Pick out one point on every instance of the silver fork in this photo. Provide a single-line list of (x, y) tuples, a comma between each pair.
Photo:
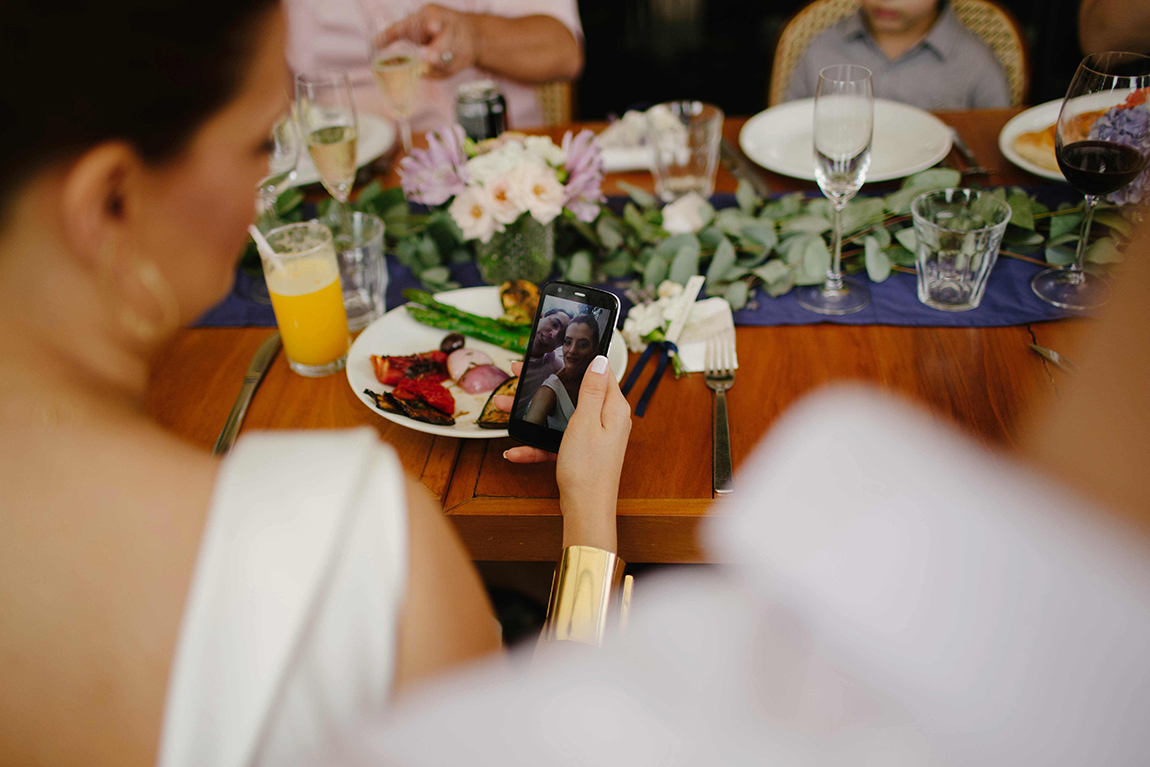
[(719, 373)]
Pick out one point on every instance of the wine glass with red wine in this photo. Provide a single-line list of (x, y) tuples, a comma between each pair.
[(1101, 142)]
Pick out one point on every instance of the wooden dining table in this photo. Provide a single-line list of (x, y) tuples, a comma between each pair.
[(985, 381)]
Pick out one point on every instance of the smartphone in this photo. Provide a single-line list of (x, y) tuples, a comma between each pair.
[(573, 325)]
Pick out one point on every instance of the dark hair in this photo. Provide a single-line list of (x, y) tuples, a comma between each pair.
[(549, 312), (148, 72), (585, 318)]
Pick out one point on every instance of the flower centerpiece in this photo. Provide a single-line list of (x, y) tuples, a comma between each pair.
[(505, 194), (1126, 124)]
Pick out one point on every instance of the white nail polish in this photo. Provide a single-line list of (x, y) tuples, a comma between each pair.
[(505, 452), (599, 364)]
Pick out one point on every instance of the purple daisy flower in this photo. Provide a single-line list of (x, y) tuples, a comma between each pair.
[(584, 169), (1127, 125), (434, 175)]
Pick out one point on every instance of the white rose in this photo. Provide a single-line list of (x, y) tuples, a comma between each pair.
[(669, 289), (487, 167), (535, 188), (471, 210), (504, 207), (683, 216), (544, 149), (650, 321)]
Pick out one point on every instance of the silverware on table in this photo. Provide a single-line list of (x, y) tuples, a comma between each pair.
[(1055, 359), (719, 374), (256, 370), (972, 166), (742, 168)]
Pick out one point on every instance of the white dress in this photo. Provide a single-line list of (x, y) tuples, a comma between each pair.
[(904, 598), (289, 633), (564, 407)]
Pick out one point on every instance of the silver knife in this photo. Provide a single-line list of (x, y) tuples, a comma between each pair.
[(972, 166), (740, 167), (256, 370), (1055, 358)]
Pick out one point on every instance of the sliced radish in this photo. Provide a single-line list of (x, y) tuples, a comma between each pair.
[(482, 378)]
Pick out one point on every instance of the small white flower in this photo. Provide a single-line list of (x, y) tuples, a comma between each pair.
[(683, 216), (669, 289), (498, 162), (536, 189), (471, 210), (545, 149), (650, 321), (504, 207)]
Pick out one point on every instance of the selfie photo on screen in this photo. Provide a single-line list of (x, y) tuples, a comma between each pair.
[(570, 334)]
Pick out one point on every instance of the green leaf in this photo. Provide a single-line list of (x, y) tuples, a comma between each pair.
[(405, 253), (288, 201), (436, 274), (791, 248), (580, 269), (877, 262), (772, 271), (1063, 239), (443, 229), (730, 221), (907, 238), (780, 286), (816, 258), (461, 256), (427, 252), (746, 197), (635, 220), (899, 255), (610, 233), (1023, 238), (686, 263), (1059, 256), (882, 234), (735, 273), (862, 212), (706, 213), (722, 261), (1064, 224), (668, 248), (655, 272), (1115, 220), (761, 234), (806, 225), (737, 294), (1021, 210), (642, 198), (618, 266), (710, 237), (935, 178), (899, 202), (787, 205), (1104, 250)]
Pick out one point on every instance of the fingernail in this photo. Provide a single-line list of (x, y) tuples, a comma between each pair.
[(505, 452), (599, 364)]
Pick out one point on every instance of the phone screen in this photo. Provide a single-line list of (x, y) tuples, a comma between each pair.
[(573, 325)]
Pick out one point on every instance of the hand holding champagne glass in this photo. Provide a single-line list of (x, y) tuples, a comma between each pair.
[(396, 63), (843, 127), (1100, 143), (327, 119)]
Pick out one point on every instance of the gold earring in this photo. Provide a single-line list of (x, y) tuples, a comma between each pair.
[(140, 327)]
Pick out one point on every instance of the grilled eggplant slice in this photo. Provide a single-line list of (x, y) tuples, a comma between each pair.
[(492, 417), (414, 409)]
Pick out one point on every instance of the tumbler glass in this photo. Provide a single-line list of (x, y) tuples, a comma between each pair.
[(959, 232), (684, 136), (362, 269)]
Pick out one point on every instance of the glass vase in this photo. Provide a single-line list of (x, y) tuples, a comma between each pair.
[(524, 250)]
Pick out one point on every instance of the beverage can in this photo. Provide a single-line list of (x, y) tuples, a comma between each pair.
[(481, 109)]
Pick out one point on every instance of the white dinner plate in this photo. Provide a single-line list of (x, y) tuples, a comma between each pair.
[(906, 140), (396, 334), (1033, 119), (376, 136)]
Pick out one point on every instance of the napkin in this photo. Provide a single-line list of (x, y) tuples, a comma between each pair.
[(708, 317)]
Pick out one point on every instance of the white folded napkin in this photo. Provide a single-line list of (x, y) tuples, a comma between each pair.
[(707, 318)]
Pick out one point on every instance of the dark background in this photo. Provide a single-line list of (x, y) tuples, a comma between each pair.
[(642, 52)]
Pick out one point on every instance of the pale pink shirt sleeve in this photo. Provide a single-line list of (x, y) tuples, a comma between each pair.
[(332, 33)]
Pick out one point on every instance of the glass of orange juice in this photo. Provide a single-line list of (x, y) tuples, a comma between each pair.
[(303, 281)]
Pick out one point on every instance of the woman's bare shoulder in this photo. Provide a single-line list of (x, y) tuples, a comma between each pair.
[(102, 519)]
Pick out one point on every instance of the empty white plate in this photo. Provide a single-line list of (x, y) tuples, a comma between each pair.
[(906, 140)]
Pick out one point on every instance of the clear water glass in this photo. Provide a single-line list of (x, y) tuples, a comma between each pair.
[(843, 129), (281, 163), (362, 269), (684, 137), (959, 232)]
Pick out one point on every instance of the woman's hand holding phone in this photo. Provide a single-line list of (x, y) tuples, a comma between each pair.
[(590, 459)]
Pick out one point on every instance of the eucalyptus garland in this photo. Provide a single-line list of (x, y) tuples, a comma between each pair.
[(775, 244)]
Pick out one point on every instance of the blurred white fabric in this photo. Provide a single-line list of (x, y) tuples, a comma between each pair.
[(905, 598), (288, 637)]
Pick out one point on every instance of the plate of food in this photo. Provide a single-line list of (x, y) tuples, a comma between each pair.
[(376, 136), (441, 378), (906, 140), (1028, 140)]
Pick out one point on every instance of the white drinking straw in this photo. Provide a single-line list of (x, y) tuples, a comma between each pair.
[(261, 242)]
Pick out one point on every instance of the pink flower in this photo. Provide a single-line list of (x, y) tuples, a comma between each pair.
[(434, 175), (584, 169)]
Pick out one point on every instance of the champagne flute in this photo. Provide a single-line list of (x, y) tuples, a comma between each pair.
[(397, 65), (843, 128), (281, 164), (327, 119), (1101, 143)]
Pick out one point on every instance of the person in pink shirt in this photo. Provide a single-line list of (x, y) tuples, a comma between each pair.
[(518, 43)]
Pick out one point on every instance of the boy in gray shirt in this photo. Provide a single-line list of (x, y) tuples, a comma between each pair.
[(918, 53)]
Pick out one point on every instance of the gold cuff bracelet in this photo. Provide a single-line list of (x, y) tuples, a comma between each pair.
[(585, 592)]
